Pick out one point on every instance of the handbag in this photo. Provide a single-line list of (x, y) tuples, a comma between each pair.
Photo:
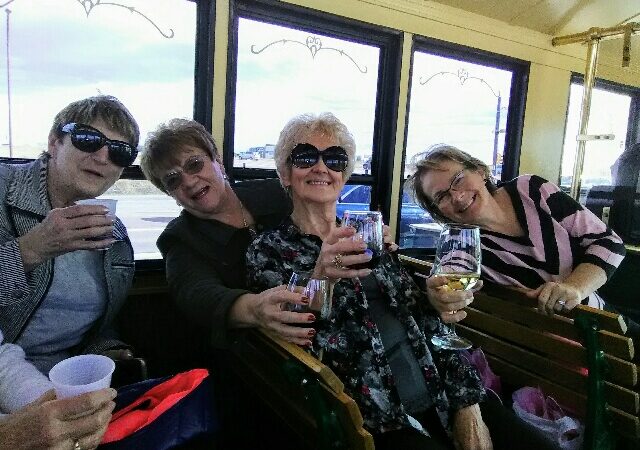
[(162, 413), (546, 415)]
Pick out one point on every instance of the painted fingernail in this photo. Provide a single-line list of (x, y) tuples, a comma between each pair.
[(311, 333), (308, 344), (304, 300), (311, 318)]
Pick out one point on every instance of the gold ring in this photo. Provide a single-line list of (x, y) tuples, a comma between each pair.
[(337, 261), (76, 445)]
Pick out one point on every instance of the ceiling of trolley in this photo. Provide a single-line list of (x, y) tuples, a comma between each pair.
[(559, 17)]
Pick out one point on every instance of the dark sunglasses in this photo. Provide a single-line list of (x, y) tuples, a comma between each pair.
[(173, 180), (89, 140), (304, 156)]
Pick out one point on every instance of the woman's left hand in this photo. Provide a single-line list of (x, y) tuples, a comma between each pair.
[(470, 431), (556, 296), (388, 239)]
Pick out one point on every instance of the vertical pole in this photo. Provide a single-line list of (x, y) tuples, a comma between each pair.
[(496, 132), (589, 79), (8, 11)]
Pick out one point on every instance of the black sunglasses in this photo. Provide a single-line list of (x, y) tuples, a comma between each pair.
[(304, 156), (173, 179), (89, 140)]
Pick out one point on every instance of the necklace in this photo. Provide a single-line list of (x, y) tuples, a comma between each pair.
[(251, 229)]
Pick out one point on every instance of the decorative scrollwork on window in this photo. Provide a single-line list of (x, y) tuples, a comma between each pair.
[(88, 6), (462, 76), (7, 3), (314, 45)]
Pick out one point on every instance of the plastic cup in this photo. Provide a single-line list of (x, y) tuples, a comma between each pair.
[(80, 374), (109, 203)]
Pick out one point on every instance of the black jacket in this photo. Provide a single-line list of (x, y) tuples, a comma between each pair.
[(205, 259)]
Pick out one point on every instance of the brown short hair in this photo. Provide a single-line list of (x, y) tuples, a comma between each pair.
[(431, 159), (100, 107), (165, 144)]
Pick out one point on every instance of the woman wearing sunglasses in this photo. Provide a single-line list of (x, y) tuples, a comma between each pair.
[(58, 297), (377, 338), (534, 237)]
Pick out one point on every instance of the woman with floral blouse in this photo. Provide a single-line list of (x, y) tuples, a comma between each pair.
[(377, 339)]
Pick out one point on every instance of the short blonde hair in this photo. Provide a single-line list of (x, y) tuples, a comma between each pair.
[(300, 127), (431, 159)]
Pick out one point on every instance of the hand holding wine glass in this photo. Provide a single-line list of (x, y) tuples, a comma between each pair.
[(458, 259), (316, 289), (368, 226)]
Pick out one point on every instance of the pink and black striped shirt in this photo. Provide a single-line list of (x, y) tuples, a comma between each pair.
[(559, 235)]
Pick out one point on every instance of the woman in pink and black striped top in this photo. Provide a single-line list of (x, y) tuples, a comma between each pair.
[(534, 236)]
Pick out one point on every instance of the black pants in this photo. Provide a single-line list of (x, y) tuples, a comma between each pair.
[(507, 431)]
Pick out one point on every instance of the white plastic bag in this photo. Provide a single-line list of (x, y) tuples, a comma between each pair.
[(544, 413)]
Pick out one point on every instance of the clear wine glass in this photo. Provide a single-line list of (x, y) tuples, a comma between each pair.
[(316, 289), (458, 258), (368, 225)]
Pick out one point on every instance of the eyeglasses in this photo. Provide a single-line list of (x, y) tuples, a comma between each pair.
[(89, 140), (173, 179), (304, 156), (457, 182)]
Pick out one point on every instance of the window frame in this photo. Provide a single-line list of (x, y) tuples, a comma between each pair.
[(517, 100), (389, 41), (633, 125)]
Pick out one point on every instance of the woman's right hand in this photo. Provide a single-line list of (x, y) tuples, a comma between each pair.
[(49, 423), (65, 230), (268, 310), (339, 251), (449, 303)]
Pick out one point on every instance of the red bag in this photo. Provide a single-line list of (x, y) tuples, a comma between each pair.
[(162, 413)]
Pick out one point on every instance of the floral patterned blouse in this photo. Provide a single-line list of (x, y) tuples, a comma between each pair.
[(351, 340)]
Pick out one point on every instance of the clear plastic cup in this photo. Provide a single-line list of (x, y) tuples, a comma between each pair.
[(80, 374)]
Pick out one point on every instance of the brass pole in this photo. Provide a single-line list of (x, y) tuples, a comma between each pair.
[(596, 33), (589, 79)]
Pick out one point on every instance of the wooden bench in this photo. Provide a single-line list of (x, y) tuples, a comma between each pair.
[(305, 393), (582, 358)]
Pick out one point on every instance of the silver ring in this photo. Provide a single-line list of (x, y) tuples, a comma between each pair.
[(561, 302), (76, 445)]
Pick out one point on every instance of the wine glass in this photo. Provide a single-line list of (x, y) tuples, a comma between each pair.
[(368, 225), (316, 289), (458, 258)]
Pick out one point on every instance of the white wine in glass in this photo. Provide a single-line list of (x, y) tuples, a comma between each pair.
[(458, 259)]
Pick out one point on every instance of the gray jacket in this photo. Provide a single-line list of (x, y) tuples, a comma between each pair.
[(20, 382), (24, 202)]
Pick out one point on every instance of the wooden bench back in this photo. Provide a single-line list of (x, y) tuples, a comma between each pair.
[(528, 348), (302, 390)]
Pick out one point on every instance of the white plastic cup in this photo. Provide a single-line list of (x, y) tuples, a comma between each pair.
[(109, 203), (80, 374)]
